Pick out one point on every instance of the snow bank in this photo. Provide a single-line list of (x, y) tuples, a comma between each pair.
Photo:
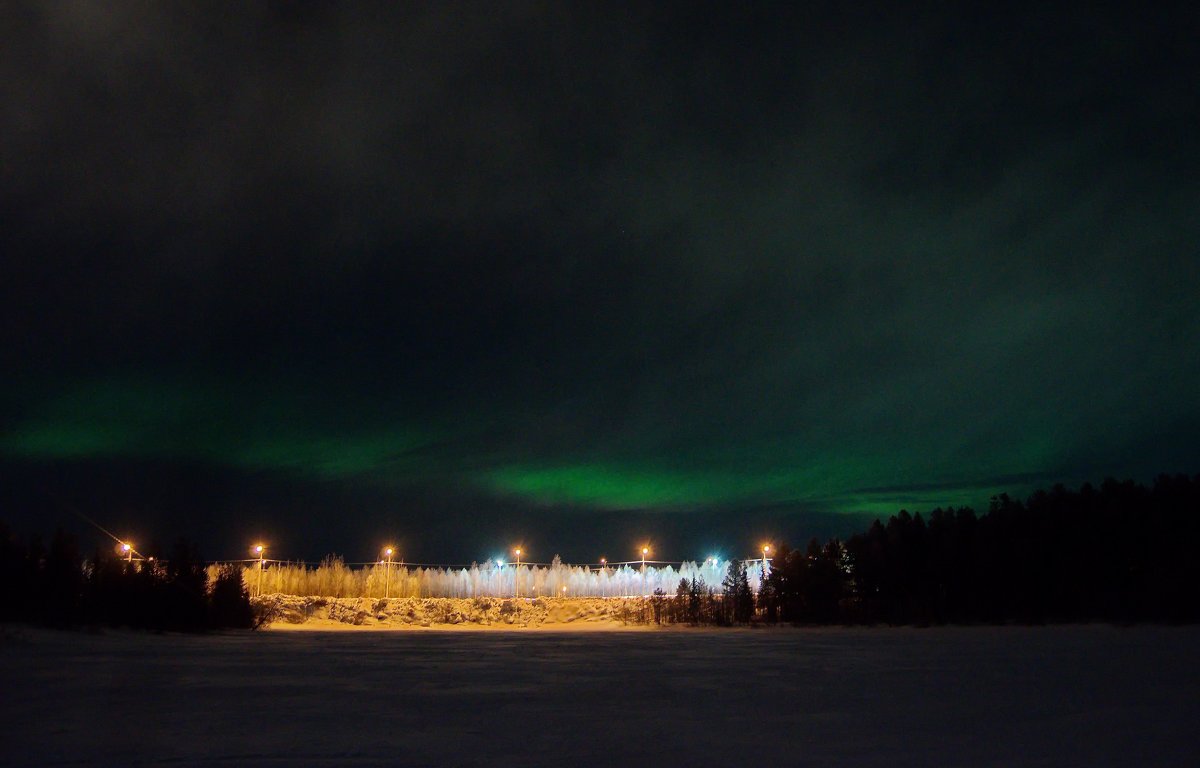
[(443, 611)]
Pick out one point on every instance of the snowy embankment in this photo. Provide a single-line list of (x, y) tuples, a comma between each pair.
[(285, 611)]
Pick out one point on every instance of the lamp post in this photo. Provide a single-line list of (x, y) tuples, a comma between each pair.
[(766, 549), (602, 582), (517, 573), (387, 579), (127, 550), (261, 551), (645, 551)]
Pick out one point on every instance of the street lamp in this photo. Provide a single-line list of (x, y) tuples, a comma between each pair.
[(517, 573), (261, 551), (127, 550), (387, 579), (766, 549), (645, 551)]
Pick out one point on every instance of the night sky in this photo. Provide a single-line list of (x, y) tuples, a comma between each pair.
[(461, 276)]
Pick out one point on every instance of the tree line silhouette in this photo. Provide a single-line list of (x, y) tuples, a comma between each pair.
[(696, 602), (57, 586), (1122, 552)]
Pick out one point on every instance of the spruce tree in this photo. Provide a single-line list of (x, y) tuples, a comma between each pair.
[(739, 599), (729, 586)]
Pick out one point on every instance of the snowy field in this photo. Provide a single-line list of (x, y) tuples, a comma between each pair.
[(1057, 696)]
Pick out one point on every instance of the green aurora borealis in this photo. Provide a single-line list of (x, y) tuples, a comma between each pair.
[(592, 271), (262, 428)]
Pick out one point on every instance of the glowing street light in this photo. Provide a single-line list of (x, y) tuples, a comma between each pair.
[(645, 551), (261, 551), (127, 551), (517, 573), (766, 561), (387, 579)]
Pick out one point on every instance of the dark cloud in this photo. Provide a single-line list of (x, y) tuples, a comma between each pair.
[(585, 257)]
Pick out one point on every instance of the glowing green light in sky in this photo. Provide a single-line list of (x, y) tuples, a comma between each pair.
[(612, 487), (261, 429), (616, 487), (132, 419)]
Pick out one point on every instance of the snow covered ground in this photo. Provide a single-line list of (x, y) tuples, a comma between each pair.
[(1054, 696)]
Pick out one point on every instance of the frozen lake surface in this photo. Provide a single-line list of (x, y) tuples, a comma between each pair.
[(1055, 696)]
